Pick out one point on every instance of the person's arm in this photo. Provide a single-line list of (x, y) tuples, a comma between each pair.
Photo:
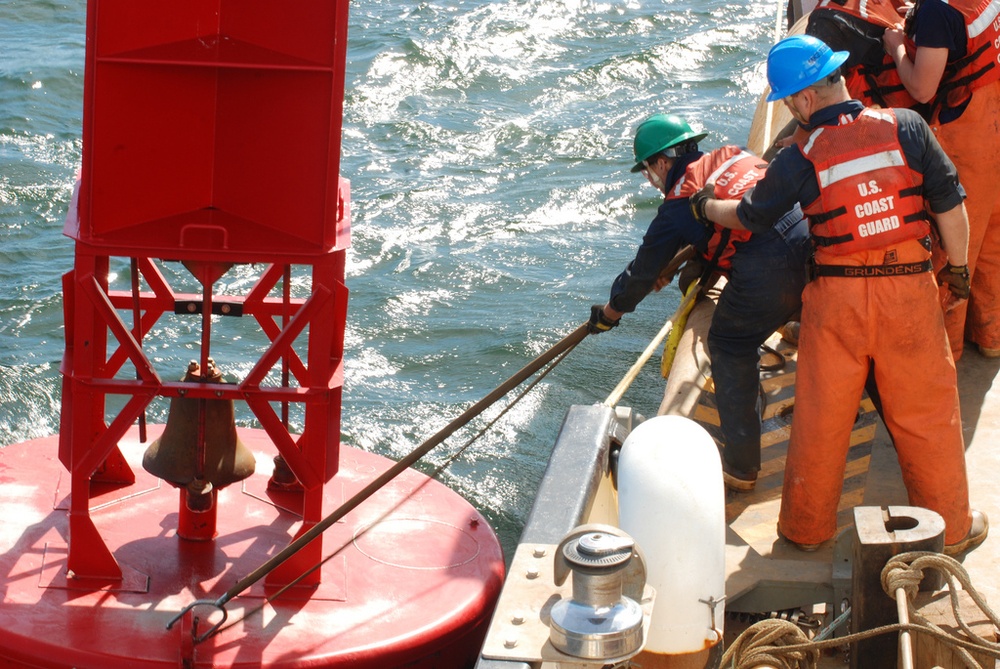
[(723, 212), (941, 187), (611, 313), (939, 34), (922, 75), (789, 179), (954, 228), (672, 228), (944, 196)]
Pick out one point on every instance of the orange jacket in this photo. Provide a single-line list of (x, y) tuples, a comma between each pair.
[(734, 172), (869, 197)]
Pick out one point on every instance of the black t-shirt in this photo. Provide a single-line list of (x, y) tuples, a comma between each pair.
[(938, 26)]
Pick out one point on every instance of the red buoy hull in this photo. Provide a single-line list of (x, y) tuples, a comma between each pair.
[(410, 579)]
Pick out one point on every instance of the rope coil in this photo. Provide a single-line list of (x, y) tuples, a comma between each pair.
[(903, 573), (782, 645), (774, 643)]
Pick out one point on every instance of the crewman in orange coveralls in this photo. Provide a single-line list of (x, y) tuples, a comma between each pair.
[(862, 177), (947, 57)]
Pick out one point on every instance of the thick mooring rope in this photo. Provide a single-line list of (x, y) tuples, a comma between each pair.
[(903, 573), (772, 643), (783, 645)]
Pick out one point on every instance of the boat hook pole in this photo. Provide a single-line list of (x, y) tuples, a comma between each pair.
[(567, 344)]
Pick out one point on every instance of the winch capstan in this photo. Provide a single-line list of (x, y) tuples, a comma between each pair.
[(603, 618)]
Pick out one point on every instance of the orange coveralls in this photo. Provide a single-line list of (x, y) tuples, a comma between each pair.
[(972, 141), (896, 322), (855, 319)]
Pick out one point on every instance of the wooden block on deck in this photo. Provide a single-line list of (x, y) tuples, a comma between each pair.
[(928, 651)]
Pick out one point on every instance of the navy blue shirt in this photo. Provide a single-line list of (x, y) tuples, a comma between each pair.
[(938, 26), (791, 178), (673, 227)]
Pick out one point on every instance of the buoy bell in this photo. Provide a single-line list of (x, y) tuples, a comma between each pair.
[(199, 442)]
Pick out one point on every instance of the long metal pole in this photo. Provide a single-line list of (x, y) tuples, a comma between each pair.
[(567, 343), (905, 643)]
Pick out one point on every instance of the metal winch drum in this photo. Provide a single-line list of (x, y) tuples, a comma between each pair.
[(603, 619)]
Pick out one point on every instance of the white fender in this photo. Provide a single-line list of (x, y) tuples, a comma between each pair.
[(672, 502)]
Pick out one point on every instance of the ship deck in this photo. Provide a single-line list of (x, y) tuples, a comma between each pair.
[(766, 577), (763, 569)]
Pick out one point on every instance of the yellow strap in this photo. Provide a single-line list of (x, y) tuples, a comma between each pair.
[(680, 320)]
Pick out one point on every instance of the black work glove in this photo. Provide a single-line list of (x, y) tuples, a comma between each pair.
[(956, 278), (698, 201), (598, 321)]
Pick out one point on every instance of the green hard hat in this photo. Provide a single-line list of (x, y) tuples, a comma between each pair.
[(660, 132)]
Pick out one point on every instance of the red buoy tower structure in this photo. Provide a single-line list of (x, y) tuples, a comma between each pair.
[(211, 140)]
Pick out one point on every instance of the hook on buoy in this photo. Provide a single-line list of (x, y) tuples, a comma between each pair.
[(202, 602)]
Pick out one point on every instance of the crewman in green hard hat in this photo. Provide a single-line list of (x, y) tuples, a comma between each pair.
[(766, 273), (866, 178)]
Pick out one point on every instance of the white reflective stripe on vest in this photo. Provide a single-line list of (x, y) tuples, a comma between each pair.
[(852, 168), (985, 20), (714, 176), (677, 188)]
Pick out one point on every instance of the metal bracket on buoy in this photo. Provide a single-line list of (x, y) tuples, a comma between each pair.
[(198, 638)]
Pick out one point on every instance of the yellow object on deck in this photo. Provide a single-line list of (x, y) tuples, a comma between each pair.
[(680, 321)]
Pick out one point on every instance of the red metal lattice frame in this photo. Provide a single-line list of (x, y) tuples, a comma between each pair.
[(88, 444)]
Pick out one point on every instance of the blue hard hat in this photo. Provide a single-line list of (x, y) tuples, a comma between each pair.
[(797, 62)]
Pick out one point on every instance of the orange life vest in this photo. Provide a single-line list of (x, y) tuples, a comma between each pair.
[(734, 172), (869, 196), (878, 85), (870, 73), (883, 13), (981, 64)]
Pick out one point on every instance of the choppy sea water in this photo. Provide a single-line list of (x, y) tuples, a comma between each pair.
[(488, 146)]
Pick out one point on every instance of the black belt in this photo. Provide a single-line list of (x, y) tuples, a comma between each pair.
[(866, 271)]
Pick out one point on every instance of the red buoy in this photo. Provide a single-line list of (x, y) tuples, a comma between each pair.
[(211, 139), (409, 579)]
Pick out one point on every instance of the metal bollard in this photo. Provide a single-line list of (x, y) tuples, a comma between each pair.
[(882, 533)]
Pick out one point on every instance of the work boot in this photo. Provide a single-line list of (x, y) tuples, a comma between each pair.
[(805, 548), (790, 332), (737, 479), (976, 535)]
